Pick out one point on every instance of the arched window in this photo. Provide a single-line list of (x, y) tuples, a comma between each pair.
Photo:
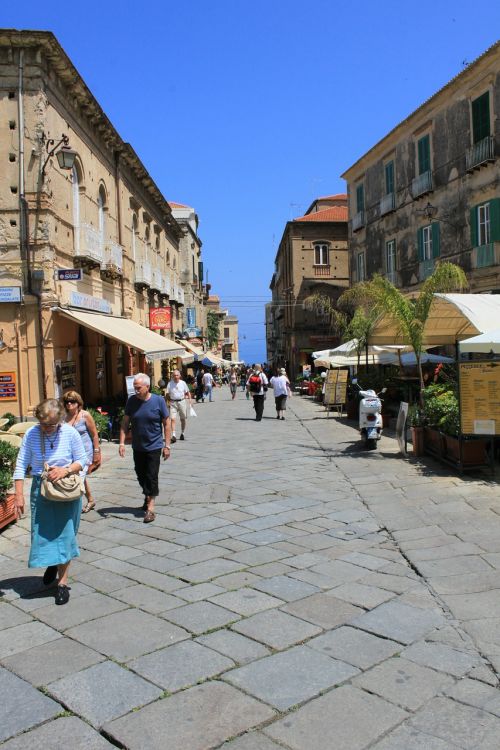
[(134, 238), (75, 180), (101, 206), (147, 245)]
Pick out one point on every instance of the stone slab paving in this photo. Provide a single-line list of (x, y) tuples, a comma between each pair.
[(322, 596)]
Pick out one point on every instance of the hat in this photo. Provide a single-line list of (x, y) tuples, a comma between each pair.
[(283, 371)]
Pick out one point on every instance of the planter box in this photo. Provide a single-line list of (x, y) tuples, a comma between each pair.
[(418, 440), (434, 442), (474, 452), (7, 511)]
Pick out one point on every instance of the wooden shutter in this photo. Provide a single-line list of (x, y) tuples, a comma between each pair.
[(436, 249), (389, 178), (495, 220), (481, 117), (473, 227), (360, 198), (420, 244), (424, 155)]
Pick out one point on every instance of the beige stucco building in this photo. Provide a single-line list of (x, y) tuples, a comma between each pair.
[(429, 190), (105, 217), (312, 258)]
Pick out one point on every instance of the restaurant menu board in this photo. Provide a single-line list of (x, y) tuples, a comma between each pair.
[(8, 386), (335, 387), (480, 398), (68, 375)]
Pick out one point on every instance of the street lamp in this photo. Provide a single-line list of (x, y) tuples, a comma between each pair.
[(430, 212), (65, 155)]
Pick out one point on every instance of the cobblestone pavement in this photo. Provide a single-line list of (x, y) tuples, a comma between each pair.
[(294, 592)]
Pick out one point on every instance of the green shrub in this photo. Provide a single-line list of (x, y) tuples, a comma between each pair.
[(8, 457), (441, 407), (101, 421), (12, 420)]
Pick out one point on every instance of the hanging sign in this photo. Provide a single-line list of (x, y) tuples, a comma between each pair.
[(160, 318), (8, 386), (10, 294), (69, 274), (191, 317)]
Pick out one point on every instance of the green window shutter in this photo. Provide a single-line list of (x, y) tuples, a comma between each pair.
[(420, 244), (424, 155), (200, 271), (481, 117), (495, 220), (473, 227), (436, 249), (360, 198), (389, 178)]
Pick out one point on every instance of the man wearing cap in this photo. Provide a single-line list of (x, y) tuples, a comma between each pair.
[(179, 399), (281, 388), (257, 386)]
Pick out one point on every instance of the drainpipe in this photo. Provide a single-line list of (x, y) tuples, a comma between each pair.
[(24, 222)]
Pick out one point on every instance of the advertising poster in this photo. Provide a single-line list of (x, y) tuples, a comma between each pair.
[(8, 386), (330, 387)]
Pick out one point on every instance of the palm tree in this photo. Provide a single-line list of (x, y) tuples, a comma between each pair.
[(381, 297)]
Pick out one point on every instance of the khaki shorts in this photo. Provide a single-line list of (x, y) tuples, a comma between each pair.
[(179, 408)]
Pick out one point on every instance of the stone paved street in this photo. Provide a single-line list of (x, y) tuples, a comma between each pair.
[(294, 592)]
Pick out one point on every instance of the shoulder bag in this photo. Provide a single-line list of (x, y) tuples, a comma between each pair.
[(63, 490)]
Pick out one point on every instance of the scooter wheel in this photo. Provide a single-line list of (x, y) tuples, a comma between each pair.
[(371, 444)]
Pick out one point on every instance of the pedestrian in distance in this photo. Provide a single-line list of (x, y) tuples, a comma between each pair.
[(208, 384), (233, 383), (148, 415), (54, 524), (257, 385), (84, 424), (243, 380), (179, 401), (200, 386), (281, 388)]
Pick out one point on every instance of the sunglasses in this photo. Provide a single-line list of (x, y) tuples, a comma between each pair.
[(70, 401)]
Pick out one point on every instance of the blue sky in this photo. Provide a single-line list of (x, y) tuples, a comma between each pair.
[(249, 110)]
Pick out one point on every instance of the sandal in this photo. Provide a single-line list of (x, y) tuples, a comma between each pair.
[(149, 517), (89, 506)]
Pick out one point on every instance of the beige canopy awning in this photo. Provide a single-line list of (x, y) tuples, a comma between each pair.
[(199, 353), (126, 332), (452, 317)]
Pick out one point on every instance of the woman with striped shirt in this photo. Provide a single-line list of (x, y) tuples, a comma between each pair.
[(54, 525)]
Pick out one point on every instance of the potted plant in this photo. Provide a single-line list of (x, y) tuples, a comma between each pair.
[(8, 456), (416, 420)]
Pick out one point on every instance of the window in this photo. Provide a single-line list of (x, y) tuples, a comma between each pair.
[(320, 255), (390, 257), (360, 198), (485, 223), (481, 117), (134, 238), (389, 178), (101, 204), (424, 154), (360, 267), (226, 333), (428, 242), (147, 245), (76, 208)]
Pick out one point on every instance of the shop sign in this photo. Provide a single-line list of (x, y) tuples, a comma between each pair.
[(8, 386), (69, 274), (77, 299), (191, 317), (160, 318), (193, 333), (10, 294)]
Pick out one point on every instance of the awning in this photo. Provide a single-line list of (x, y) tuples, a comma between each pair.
[(198, 353), (126, 332), (486, 343), (452, 317)]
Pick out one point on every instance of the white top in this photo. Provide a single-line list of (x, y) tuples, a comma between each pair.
[(280, 385), (177, 391), (263, 380), (208, 379), (67, 448)]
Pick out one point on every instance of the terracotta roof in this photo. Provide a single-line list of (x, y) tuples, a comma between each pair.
[(178, 205), (338, 197), (335, 213)]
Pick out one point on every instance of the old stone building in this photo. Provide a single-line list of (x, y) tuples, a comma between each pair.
[(194, 318), (312, 258), (430, 189), (89, 256), (230, 344)]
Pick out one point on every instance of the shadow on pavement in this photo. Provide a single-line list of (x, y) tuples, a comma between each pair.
[(28, 587)]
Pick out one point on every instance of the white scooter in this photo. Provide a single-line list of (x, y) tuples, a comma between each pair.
[(370, 416)]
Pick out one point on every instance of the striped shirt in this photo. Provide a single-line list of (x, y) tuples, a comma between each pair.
[(68, 447)]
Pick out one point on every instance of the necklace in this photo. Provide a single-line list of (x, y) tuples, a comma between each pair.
[(53, 441)]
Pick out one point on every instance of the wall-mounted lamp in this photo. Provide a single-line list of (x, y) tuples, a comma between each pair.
[(65, 156), (430, 212)]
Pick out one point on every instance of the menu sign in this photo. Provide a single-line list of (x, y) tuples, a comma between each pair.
[(335, 387), (8, 386), (480, 398)]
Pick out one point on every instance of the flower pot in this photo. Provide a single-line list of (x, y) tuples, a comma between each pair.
[(7, 510), (417, 434)]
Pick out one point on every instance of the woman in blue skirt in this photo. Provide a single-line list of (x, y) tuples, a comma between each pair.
[(54, 524)]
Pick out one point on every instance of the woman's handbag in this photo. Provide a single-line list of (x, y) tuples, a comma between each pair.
[(63, 490)]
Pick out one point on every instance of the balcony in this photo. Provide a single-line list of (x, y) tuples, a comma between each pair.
[(426, 268), (422, 184), (113, 261), (228, 341), (358, 221), (486, 255), (90, 249), (143, 274), (480, 153), (322, 270), (166, 285), (156, 280), (195, 282), (180, 296), (387, 204)]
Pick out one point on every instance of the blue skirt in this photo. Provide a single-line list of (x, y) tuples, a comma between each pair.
[(54, 527)]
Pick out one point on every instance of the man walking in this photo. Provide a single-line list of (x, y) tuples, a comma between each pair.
[(179, 399), (199, 386), (148, 415), (208, 384), (257, 386)]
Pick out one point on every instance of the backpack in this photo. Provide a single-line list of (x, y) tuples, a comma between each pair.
[(254, 383)]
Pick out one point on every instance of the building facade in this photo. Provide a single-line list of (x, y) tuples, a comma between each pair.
[(430, 189), (312, 259), (230, 343), (104, 222)]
